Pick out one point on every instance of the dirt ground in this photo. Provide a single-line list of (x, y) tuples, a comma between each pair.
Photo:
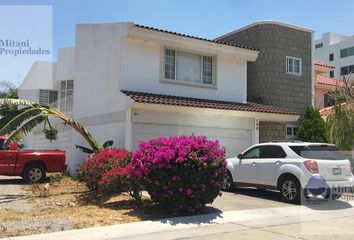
[(63, 205)]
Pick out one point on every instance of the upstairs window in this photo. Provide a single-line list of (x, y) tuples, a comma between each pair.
[(66, 95), (48, 97), (331, 74), (189, 67), (346, 52), (331, 57), (319, 45), (328, 99), (293, 65), (347, 70)]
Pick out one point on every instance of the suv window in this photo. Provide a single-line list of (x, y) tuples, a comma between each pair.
[(318, 152), (272, 152), (298, 149), (252, 153)]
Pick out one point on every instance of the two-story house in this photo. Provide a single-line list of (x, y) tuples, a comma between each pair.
[(128, 83)]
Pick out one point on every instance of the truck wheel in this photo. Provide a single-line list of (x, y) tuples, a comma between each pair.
[(290, 190), (34, 173), (228, 183)]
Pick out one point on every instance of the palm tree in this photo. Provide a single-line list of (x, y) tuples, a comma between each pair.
[(17, 123)]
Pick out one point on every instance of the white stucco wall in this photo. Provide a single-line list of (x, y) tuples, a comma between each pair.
[(40, 76), (97, 69), (141, 69), (65, 68), (333, 43), (98, 102)]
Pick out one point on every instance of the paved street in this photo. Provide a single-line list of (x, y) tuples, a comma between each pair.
[(248, 198)]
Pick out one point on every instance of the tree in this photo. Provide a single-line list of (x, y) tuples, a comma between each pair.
[(312, 127), (341, 127), (7, 90), (17, 123), (340, 123)]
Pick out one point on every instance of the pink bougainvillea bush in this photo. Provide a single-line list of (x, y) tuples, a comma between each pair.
[(106, 171), (182, 174)]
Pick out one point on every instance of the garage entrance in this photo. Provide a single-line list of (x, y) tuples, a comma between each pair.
[(235, 134)]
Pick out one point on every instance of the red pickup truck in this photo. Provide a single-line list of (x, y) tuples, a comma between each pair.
[(32, 165)]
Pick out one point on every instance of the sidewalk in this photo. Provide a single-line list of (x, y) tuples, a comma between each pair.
[(303, 222)]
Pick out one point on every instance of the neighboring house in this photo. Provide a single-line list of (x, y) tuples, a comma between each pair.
[(337, 50), (324, 85), (327, 111), (128, 83), (282, 75), (51, 84)]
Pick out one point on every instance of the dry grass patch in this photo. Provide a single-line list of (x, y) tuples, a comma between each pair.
[(70, 201)]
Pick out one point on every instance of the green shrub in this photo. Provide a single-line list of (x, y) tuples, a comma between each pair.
[(312, 127)]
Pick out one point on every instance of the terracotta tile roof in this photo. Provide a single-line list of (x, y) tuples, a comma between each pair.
[(326, 111), (152, 98), (194, 37), (323, 64), (321, 79), (329, 110)]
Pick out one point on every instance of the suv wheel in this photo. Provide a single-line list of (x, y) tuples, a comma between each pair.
[(228, 183), (34, 173), (290, 190)]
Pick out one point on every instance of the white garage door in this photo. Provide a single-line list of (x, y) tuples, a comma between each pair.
[(63, 141), (233, 133)]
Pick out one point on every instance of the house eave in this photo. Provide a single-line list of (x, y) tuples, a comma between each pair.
[(262, 116), (190, 43), (262, 22)]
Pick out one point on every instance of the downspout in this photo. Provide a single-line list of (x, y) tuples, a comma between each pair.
[(312, 72)]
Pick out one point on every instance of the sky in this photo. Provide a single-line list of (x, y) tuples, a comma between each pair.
[(50, 24)]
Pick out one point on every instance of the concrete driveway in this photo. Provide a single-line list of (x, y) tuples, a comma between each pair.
[(248, 198)]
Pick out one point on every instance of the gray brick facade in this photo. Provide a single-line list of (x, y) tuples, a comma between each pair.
[(268, 81), (269, 131)]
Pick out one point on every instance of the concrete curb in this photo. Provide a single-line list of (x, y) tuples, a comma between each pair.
[(180, 224)]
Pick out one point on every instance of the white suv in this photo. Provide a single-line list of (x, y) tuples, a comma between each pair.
[(291, 167)]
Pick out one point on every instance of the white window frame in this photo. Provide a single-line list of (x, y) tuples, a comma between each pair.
[(48, 92), (178, 81), (292, 72), (292, 126), (65, 109)]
